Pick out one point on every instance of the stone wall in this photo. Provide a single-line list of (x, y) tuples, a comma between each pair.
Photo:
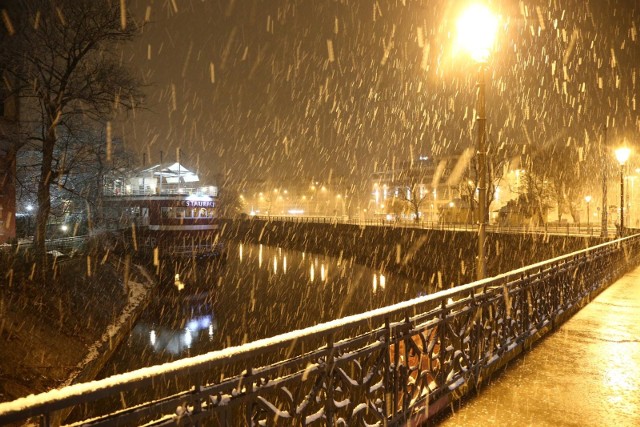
[(442, 258)]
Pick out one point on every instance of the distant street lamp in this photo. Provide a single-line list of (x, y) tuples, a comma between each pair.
[(477, 28), (622, 154), (587, 199)]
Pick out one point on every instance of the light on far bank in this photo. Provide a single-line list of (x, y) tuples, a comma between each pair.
[(477, 29)]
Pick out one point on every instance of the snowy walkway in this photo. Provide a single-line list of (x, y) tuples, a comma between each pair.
[(585, 374)]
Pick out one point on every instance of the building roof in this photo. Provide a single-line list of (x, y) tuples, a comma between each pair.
[(172, 173)]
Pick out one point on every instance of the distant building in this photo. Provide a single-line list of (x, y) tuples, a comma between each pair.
[(168, 178), (171, 211), (432, 181), (306, 197)]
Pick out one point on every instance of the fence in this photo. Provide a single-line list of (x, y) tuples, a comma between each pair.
[(560, 229), (390, 366), (63, 244)]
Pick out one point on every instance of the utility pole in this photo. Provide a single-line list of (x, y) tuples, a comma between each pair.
[(482, 171)]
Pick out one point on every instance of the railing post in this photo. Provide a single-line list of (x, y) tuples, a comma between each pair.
[(395, 379), (45, 420), (387, 409), (249, 404), (476, 338), (197, 403), (441, 377), (406, 369), (329, 406)]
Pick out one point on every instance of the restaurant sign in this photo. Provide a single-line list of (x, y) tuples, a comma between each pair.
[(198, 203)]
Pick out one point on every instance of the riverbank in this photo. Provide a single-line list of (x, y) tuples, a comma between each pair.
[(442, 259), (63, 333)]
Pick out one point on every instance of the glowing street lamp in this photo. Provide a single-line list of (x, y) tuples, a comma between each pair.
[(622, 154), (477, 29)]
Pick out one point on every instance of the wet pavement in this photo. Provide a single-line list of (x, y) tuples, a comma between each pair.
[(586, 374)]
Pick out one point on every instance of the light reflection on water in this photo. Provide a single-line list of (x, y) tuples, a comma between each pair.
[(175, 341), (259, 291)]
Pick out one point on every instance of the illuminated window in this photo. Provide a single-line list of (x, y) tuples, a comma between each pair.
[(167, 212)]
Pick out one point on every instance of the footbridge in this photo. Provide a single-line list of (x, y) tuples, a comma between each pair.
[(398, 365)]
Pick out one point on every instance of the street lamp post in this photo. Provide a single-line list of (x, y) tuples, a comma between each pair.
[(476, 34), (604, 221), (587, 199), (622, 154), (29, 210)]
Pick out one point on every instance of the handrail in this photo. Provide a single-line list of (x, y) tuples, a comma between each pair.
[(560, 229), (49, 243), (441, 344)]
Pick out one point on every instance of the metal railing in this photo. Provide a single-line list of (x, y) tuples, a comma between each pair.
[(388, 366), (167, 190), (553, 228), (61, 244)]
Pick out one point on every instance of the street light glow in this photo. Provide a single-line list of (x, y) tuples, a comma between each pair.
[(622, 154), (477, 28)]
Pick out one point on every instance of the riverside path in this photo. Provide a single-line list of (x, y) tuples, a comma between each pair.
[(587, 373)]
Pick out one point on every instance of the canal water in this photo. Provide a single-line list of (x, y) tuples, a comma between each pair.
[(256, 292)]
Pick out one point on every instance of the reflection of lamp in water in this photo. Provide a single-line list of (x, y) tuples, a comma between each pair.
[(177, 282), (152, 337), (188, 339), (379, 281)]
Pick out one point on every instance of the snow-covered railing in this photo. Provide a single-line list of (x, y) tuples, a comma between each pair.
[(393, 365), (555, 228)]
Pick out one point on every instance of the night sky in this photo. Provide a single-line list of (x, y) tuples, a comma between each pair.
[(298, 89)]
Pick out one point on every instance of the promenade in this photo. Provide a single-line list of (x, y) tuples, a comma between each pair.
[(585, 374)]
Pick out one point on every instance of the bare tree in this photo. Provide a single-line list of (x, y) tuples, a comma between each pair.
[(412, 196), (536, 196), (63, 59), (499, 156)]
